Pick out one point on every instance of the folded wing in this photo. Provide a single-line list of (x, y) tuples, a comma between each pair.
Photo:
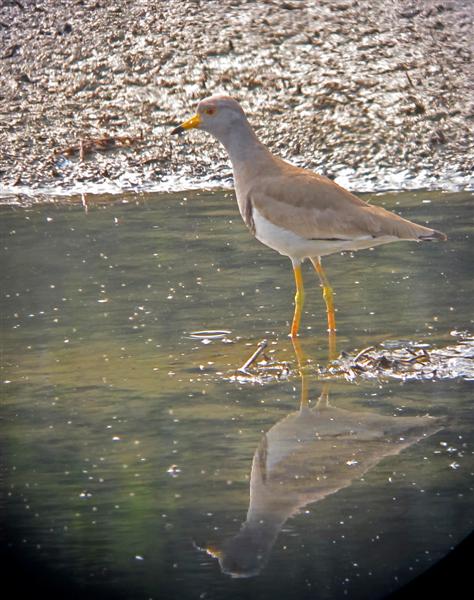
[(315, 207)]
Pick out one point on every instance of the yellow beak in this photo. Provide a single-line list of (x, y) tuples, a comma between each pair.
[(214, 552), (189, 124)]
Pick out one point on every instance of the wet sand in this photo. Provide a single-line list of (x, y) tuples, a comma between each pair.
[(378, 95)]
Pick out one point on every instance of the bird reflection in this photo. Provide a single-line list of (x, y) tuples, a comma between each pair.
[(310, 454)]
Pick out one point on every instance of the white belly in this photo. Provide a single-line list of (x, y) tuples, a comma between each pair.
[(298, 248)]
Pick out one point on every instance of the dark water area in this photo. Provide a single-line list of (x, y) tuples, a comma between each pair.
[(137, 461)]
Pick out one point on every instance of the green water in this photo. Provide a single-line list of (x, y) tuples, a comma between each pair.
[(127, 446)]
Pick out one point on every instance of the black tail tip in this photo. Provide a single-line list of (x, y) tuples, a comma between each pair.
[(434, 236)]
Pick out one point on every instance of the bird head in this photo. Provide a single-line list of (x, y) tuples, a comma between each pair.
[(217, 115)]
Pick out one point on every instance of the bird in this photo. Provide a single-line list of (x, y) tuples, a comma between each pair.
[(293, 210)]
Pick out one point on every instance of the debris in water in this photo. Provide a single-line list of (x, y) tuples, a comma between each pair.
[(174, 471), (406, 362)]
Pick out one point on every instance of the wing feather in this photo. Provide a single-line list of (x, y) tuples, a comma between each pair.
[(315, 207)]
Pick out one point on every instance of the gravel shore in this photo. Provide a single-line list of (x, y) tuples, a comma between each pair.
[(376, 94)]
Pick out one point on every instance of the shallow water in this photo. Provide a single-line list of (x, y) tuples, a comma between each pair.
[(128, 444)]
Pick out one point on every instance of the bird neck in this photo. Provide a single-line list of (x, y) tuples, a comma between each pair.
[(242, 144)]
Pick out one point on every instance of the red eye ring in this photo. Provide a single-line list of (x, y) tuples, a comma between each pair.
[(210, 111)]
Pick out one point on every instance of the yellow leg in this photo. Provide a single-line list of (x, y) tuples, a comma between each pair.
[(329, 300), (299, 300)]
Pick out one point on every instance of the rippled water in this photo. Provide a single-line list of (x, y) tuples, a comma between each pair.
[(129, 445)]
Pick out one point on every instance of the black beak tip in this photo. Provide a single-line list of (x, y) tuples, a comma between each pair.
[(177, 130)]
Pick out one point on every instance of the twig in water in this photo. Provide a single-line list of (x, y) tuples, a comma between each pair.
[(260, 348), (84, 203), (362, 352)]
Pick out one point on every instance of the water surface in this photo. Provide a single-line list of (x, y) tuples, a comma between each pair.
[(129, 446)]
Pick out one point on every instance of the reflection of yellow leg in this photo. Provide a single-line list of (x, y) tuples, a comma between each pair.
[(328, 299), (301, 359), (299, 300), (302, 367), (323, 400)]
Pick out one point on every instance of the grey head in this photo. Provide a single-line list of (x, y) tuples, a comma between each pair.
[(218, 115)]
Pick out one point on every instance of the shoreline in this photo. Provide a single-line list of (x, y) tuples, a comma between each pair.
[(391, 182)]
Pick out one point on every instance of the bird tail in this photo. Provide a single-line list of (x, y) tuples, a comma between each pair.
[(388, 223), (434, 235), (407, 230)]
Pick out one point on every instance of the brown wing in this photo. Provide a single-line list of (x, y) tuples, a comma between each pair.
[(315, 207)]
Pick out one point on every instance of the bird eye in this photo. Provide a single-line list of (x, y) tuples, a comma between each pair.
[(210, 111)]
